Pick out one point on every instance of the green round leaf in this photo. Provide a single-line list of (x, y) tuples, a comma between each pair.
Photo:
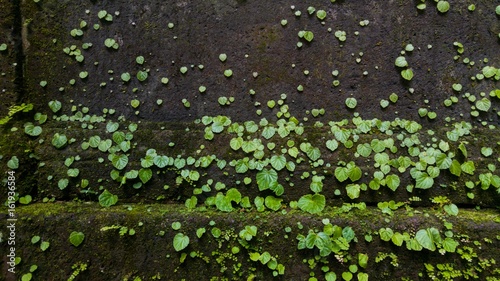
[(55, 106), (125, 77), (273, 203), (59, 140), (321, 14), (385, 234), (135, 103), (407, 74), (424, 238), (76, 238), (13, 163), (266, 178), (142, 75), (145, 175), (32, 130), (119, 161), (443, 6), (312, 203), (139, 60), (176, 225), (44, 245), (228, 73), (483, 104), (107, 199), (351, 103), (401, 61), (309, 36), (180, 242), (25, 199)]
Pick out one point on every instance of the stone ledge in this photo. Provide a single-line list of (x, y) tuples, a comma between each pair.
[(147, 253)]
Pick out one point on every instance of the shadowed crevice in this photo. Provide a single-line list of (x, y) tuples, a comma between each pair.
[(17, 35)]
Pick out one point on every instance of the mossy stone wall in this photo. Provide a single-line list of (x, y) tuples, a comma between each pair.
[(180, 108)]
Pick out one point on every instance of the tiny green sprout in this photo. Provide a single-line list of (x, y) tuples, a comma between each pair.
[(432, 115), (421, 6), (222, 100), (300, 88), (422, 112), (284, 22), (43, 83), (76, 32), (222, 57), (202, 89), (135, 103), (183, 69), (186, 103), (486, 151), (351, 102), (401, 61), (101, 14), (407, 74), (497, 10), (159, 101), (311, 10), (341, 35), (164, 80), (393, 97), (471, 7), (142, 75), (3, 47), (364, 22), (298, 13), (85, 46), (443, 6), (170, 25), (384, 103), (125, 77), (308, 35), (457, 87), (176, 225), (111, 43), (139, 60), (76, 238), (228, 73), (409, 48), (321, 14), (83, 74)]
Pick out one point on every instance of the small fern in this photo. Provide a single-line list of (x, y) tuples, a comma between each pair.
[(15, 109)]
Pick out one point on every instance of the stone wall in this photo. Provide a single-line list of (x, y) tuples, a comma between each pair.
[(263, 113)]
